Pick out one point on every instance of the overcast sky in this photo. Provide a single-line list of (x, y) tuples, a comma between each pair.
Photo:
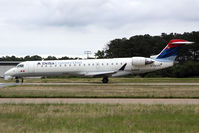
[(69, 27)]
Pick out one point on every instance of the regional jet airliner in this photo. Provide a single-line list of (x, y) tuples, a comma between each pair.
[(104, 68)]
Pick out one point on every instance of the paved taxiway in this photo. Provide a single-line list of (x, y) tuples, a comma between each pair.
[(6, 84), (91, 83), (95, 101)]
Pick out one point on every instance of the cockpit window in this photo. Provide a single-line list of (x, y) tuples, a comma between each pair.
[(20, 65)]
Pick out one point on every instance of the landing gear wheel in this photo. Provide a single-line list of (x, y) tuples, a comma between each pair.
[(17, 80), (105, 80), (22, 80)]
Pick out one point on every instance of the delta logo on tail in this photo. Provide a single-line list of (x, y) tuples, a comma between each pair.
[(171, 51)]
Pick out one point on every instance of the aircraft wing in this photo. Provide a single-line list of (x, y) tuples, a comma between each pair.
[(96, 74), (106, 73)]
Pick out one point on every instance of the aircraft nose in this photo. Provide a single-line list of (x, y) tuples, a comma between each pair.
[(10, 72)]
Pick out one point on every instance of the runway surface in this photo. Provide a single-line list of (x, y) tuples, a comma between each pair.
[(6, 84), (95, 101), (91, 83)]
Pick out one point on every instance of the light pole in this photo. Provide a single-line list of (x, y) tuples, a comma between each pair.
[(87, 53)]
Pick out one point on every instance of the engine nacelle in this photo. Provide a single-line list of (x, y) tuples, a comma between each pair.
[(141, 61)]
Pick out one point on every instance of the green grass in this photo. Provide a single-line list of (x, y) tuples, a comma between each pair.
[(112, 80), (99, 91), (99, 118)]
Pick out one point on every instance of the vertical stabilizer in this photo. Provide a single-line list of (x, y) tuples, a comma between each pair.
[(171, 51)]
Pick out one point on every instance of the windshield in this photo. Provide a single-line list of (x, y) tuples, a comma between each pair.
[(20, 65)]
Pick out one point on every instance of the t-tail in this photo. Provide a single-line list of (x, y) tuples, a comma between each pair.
[(170, 52)]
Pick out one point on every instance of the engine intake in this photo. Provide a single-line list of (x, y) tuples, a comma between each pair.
[(141, 61)]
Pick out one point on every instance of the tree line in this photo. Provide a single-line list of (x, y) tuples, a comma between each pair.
[(34, 58), (146, 45)]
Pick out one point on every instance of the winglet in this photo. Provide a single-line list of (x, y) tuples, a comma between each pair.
[(123, 67)]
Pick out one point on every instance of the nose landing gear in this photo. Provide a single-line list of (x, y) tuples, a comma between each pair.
[(17, 80)]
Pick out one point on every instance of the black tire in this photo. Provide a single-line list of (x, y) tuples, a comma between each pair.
[(17, 80), (105, 80)]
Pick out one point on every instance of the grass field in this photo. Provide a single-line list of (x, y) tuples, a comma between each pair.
[(99, 118), (112, 80), (99, 91)]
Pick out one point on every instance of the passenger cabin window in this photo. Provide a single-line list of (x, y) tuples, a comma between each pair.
[(20, 66)]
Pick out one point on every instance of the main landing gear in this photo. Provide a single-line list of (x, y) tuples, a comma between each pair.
[(17, 80), (105, 80)]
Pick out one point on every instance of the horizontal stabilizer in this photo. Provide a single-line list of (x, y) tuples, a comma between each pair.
[(182, 42)]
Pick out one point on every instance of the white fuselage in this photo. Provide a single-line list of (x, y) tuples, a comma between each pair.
[(88, 68)]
